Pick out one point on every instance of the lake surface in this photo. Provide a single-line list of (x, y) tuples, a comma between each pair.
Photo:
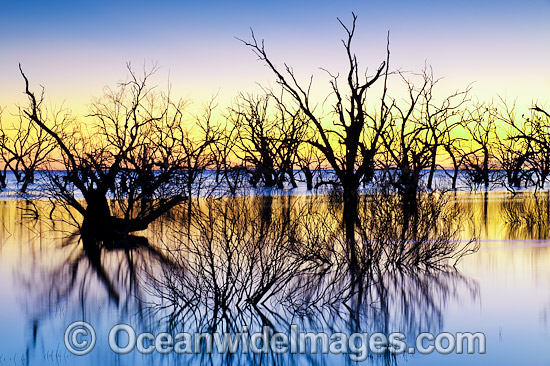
[(280, 261)]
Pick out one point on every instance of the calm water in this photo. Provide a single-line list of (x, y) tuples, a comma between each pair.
[(202, 272)]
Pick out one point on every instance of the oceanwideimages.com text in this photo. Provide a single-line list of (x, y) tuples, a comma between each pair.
[(80, 339)]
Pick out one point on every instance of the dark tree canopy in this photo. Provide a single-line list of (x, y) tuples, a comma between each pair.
[(136, 151)]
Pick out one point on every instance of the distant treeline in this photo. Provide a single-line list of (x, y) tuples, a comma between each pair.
[(264, 140)]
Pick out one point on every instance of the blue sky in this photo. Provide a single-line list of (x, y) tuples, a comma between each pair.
[(75, 48)]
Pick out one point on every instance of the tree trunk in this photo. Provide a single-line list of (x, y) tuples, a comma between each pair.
[(97, 222), (349, 218), (309, 178), (432, 168), (486, 168)]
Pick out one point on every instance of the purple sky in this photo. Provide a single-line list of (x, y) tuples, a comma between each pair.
[(75, 48)]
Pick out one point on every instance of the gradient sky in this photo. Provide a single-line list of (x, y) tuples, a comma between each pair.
[(75, 48)]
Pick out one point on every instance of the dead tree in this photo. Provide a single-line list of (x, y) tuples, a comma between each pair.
[(513, 152), (311, 162), (6, 162), (351, 140), (418, 128), (230, 172), (454, 147), (132, 150), (407, 149), (532, 132), (25, 148), (480, 122), (440, 118), (349, 137), (268, 135), (540, 158), (197, 143)]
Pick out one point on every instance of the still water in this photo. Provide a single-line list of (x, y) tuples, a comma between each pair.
[(224, 264)]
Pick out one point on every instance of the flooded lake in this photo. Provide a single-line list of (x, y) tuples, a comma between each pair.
[(464, 262)]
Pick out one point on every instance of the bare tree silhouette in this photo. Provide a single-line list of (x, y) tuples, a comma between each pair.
[(350, 142), (24, 148), (440, 119), (311, 162), (480, 122), (540, 157), (137, 150), (513, 154), (268, 135), (529, 142), (416, 130)]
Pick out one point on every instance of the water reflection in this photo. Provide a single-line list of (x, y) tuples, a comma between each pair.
[(250, 262), (220, 264), (68, 275), (527, 215), (83, 279)]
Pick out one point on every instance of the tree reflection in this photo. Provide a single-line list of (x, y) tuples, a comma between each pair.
[(80, 276), (278, 261), (527, 216), (221, 264)]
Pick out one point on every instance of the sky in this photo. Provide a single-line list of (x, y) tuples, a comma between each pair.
[(76, 48)]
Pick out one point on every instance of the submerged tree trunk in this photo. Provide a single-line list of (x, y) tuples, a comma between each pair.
[(292, 179), (432, 168), (28, 179), (349, 218), (97, 220), (486, 167), (3, 180), (309, 177)]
